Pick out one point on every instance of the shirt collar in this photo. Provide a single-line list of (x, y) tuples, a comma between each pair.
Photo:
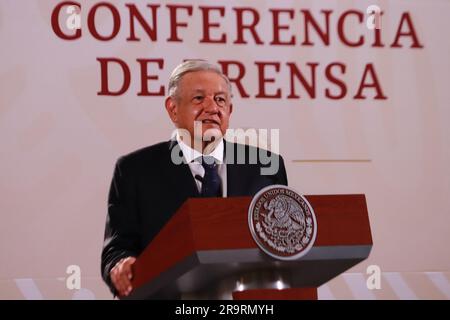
[(191, 154)]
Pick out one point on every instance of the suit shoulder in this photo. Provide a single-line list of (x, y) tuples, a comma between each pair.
[(144, 155), (251, 149)]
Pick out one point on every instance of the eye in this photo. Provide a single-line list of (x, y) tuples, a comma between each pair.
[(220, 100), (197, 99)]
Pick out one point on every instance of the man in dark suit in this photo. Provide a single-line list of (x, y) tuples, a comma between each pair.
[(150, 184)]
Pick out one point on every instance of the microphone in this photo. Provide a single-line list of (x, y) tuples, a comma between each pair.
[(199, 178)]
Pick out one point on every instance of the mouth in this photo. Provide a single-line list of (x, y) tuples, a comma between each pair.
[(210, 121)]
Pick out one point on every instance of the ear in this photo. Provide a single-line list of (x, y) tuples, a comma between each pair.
[(231, 108), (171, 108)]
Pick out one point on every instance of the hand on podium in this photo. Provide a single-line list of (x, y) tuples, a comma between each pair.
[(121, 275)]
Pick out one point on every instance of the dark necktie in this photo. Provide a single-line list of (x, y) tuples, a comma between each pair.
[(211, 180)]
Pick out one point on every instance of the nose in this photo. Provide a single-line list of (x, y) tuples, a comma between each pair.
[(210, 105)]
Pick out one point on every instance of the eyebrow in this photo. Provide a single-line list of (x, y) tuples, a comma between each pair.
[(203, 91)]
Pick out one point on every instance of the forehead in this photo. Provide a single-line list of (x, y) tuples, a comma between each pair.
[(203, 81)]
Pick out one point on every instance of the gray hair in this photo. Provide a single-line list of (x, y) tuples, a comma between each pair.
[(192, 66)]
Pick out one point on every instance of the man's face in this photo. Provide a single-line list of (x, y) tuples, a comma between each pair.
[(202, 96)]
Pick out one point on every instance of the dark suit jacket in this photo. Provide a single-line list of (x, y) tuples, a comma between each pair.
[(147, 189)]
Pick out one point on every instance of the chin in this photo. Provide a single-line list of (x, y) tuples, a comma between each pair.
[(213, 133)]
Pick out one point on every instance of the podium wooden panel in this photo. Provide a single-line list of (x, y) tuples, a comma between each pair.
[(207, 248)]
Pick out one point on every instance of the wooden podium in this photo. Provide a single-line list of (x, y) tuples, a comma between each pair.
[(206, 251)]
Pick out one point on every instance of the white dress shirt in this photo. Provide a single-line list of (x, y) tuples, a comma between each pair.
[(191, 155)]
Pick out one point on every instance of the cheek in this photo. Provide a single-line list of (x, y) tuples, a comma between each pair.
[(195, 112), (225, 116), (188, 115)]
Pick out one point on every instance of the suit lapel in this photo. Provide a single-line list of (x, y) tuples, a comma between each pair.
[(180, 175), (235, 174), (233, 185)]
